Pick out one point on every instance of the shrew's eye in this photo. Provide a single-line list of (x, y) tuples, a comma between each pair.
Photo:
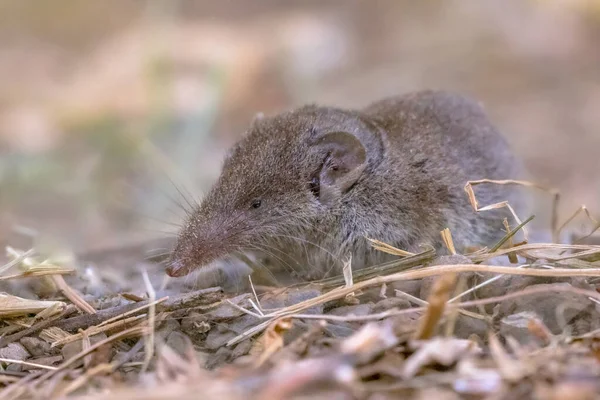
[(256, 203)]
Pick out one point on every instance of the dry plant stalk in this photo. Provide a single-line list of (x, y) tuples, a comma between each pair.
[(509, 235), (72, 295), (53, 334), (149, 342), (31, 267), (13, 306), (503, 204), (554, 192), (38, 273), (460, 287), (94, 330), (386, 248), (448, 242), (133, 311), (579, 210), (512, 257), (438, 298), (409, 275), (27, 363), (11, 391), (15, 260), (83, 379), (525, 248)]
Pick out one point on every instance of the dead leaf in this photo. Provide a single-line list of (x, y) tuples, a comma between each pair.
[(510, 369), (371, 340), (438, 351), (273, 340)]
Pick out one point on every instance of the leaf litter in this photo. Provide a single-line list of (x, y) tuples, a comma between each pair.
[(515, 320)]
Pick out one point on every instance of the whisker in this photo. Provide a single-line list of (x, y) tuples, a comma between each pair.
[(189, 203), (263, 268), (335, 257), (270, 253)]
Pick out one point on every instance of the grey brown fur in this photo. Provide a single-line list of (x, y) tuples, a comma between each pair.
[(327, 178)]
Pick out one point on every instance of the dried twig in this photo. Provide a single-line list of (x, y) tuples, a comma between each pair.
[(71, 309), (28, 363), (72, 295), (94, 330), (187, 300), (149, 343)]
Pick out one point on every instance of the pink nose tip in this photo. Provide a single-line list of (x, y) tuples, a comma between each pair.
[(177, 268)]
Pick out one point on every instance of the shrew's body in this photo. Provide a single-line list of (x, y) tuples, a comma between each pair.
[(308, 186)]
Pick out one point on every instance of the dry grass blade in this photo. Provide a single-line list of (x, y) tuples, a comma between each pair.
[(149, 343), (562, 288), (30, 364), (135, 310), (9, 392), (72, 295), (440, 292), (106, 316), (581, 209), (13, 306), (347, 272), (451, 321), (32, 267), (16, 260), (382, 269), (94, 330), (585, 237), (386, 248), (554, 192), (53, 334), (579, 255), (411, 298), (448, 242), (83, 379), (410, 275), (525, 248), (34, 272), (510, 234), (512, 257), (6, 340), (480, 285)]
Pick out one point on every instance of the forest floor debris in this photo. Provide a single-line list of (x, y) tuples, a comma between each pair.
[(425, 325)]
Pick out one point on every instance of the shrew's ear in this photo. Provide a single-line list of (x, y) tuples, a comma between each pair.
[(344, 159)]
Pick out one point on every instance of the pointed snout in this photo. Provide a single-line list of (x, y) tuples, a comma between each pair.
[(203, 240), (185, 259)]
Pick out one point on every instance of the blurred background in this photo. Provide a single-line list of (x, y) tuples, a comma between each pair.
[(113, 111)]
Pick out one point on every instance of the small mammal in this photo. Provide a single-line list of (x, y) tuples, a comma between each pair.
[(308, 186)]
